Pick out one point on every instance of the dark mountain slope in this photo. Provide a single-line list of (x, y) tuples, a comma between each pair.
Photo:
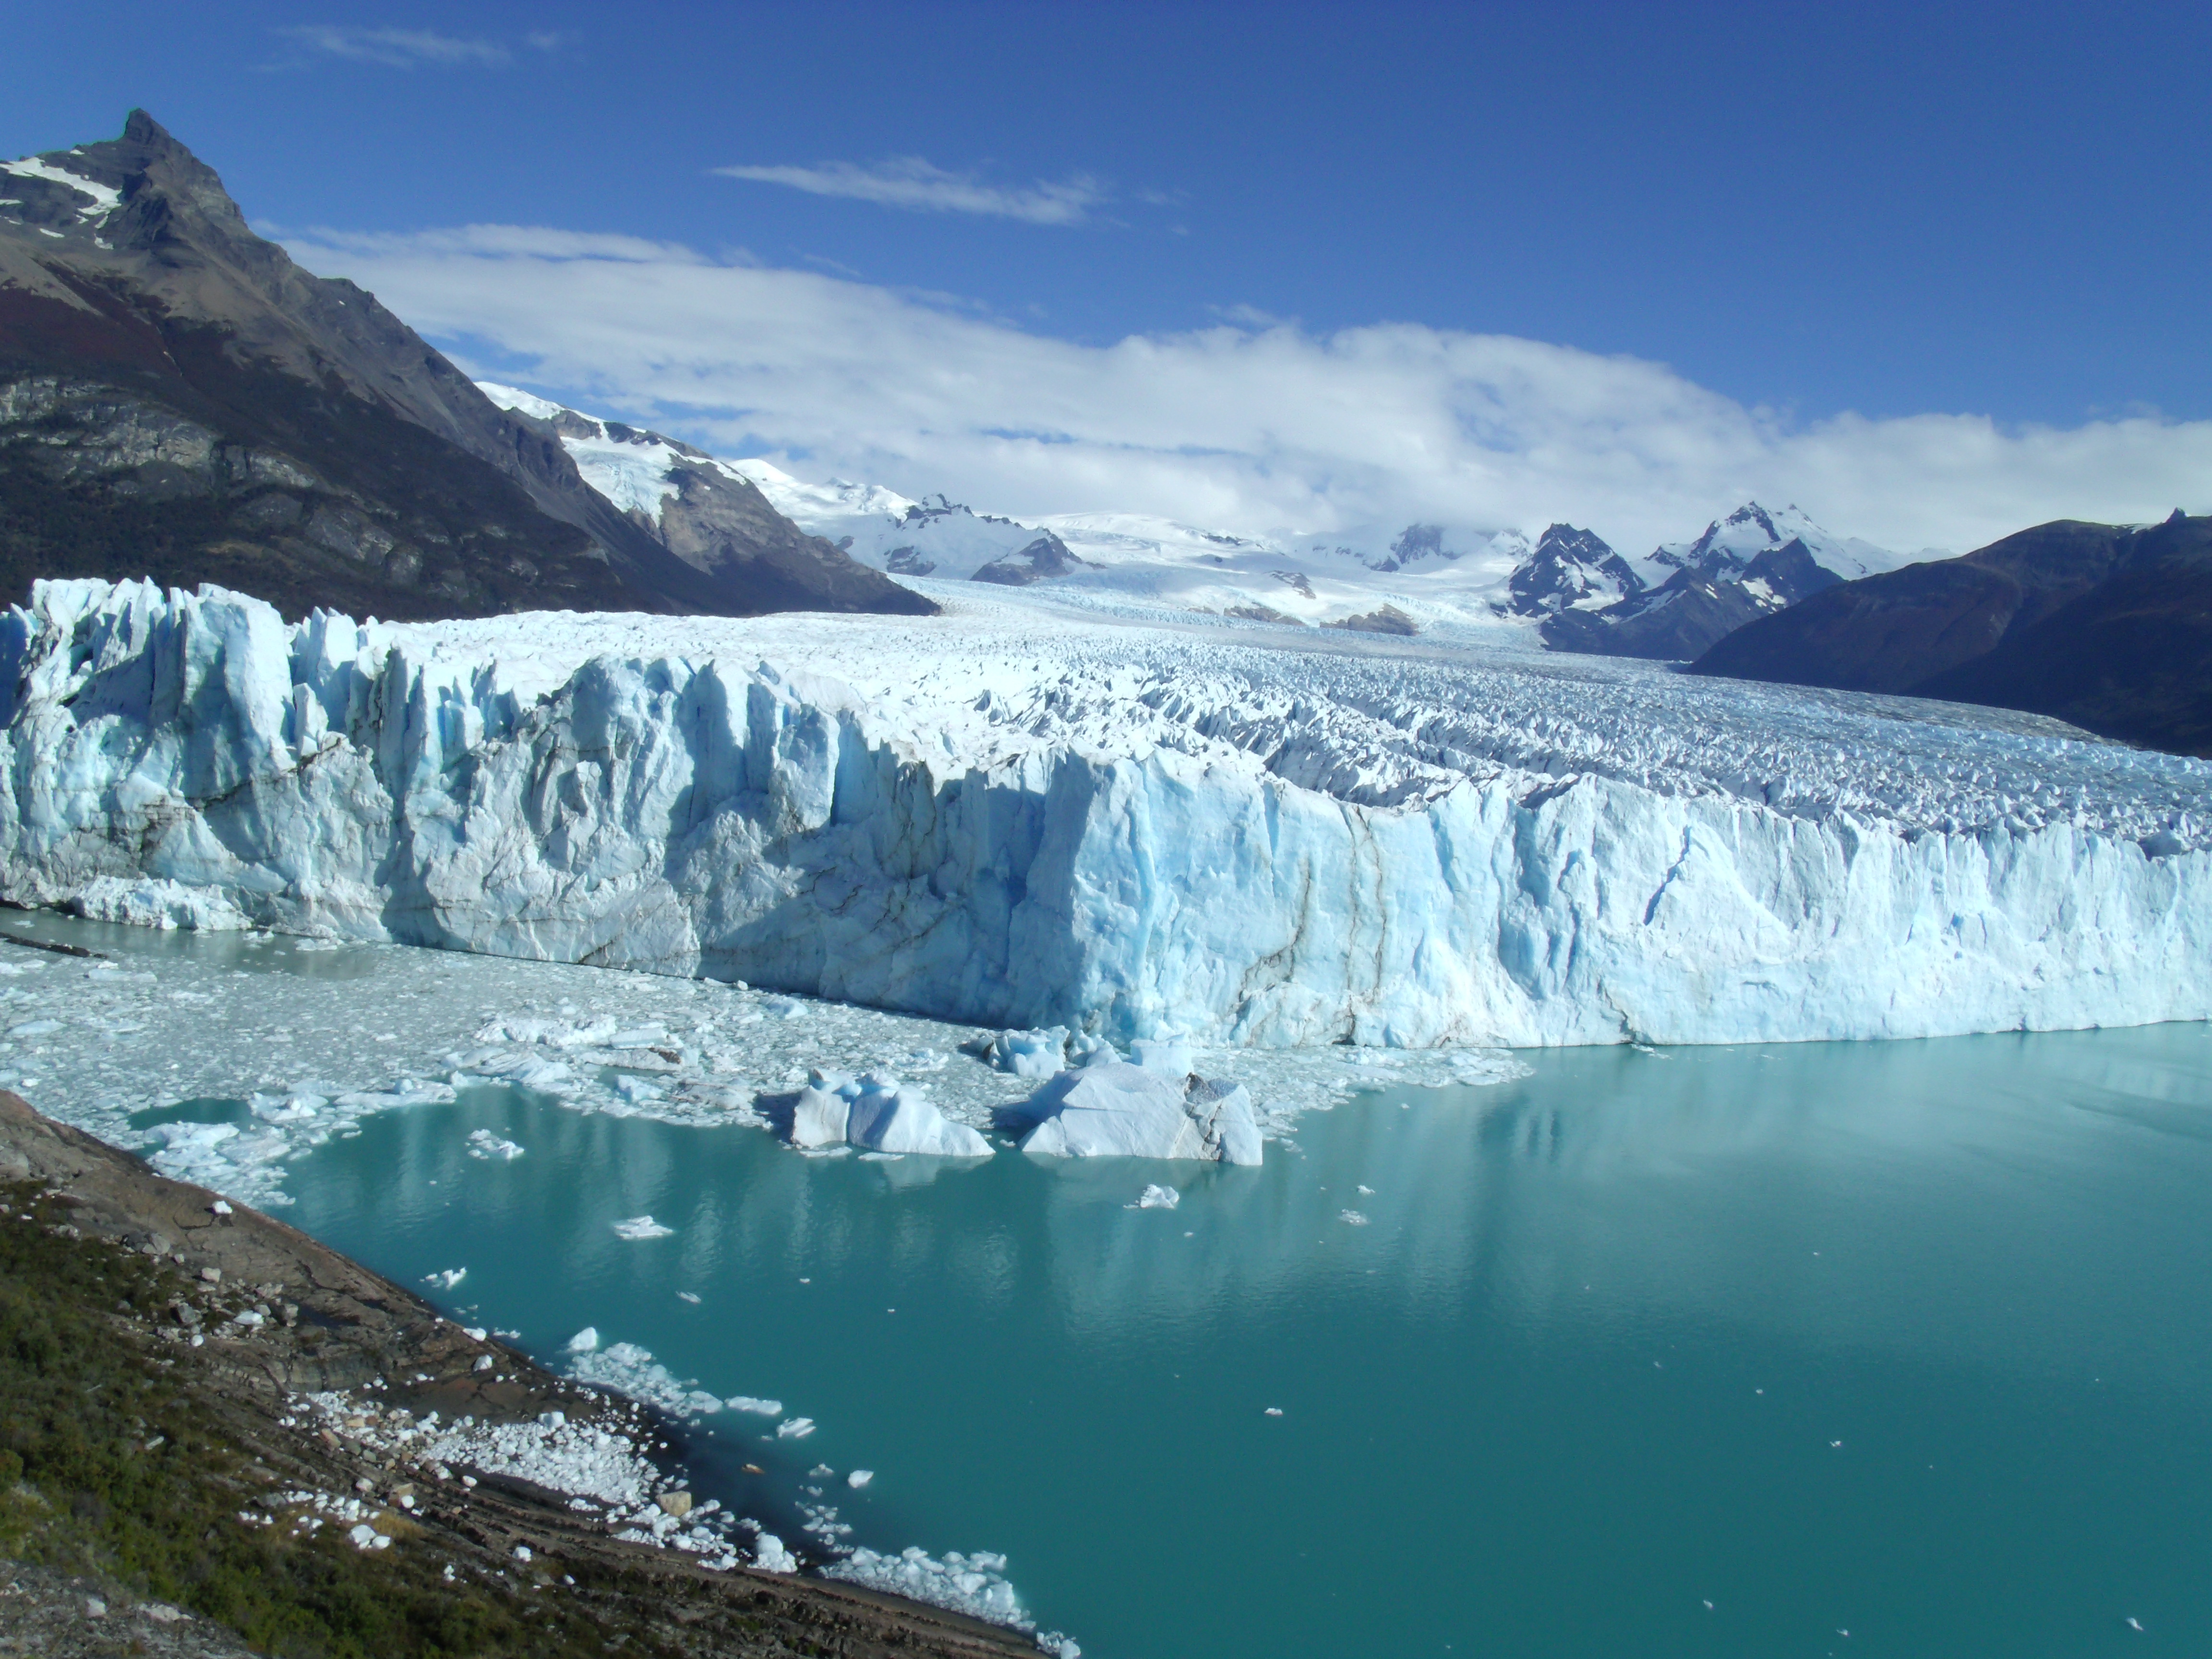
[(2109, 627), (178, 398)]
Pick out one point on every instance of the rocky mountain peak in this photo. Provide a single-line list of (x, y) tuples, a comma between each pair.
[(185, 401), (1570, 569)]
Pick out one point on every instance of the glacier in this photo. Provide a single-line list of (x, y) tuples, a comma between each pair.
[(1021, 816)]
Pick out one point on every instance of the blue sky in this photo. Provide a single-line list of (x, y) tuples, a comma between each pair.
[(1811, 214)]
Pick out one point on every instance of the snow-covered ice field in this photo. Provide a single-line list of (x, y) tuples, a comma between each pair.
[(1026, 813)]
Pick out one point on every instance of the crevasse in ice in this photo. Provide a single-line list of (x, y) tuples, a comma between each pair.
[(999, 818)]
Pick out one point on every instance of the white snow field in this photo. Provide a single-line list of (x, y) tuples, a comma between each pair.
[(1389, 576), (1017, 815)]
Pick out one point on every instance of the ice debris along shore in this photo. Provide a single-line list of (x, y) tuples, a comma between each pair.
[(973, 1583), (313, 1040), (603, 1472), (1005, 818)]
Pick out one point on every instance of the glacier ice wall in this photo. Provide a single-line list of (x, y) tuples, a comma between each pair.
[(1188, 855)]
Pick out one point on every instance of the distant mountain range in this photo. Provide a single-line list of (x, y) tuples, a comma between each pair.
[(179, 399), (1578, 593), (1686, 596), (2106, 627)]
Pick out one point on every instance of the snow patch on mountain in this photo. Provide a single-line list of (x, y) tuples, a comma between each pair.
[(105, 198)]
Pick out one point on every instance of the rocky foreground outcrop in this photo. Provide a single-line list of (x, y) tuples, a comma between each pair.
[(207, 1419)]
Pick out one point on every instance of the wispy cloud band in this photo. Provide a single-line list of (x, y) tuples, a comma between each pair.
[(1255, 428), (910, 182), (398, 48)]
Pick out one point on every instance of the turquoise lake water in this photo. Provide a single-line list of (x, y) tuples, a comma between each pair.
[(1709, 1351)]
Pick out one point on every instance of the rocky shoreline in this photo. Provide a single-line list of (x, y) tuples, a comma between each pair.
[(347, 1431)]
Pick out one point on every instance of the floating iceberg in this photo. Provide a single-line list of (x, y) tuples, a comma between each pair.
[(1015, 820), (483, 1144), (881, 1114), (1119, 1110)]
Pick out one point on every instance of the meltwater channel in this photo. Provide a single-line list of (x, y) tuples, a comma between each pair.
[(1696, 1352)]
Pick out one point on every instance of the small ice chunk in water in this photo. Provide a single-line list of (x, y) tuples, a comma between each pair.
[(745, 1402), (794, 1428), (1158, 1198), (585, 1341), (483, 1144), (860, 1477), (1274, 1411), (770, 1556), (1352, 1217), (641, 1226), (448, 1280), (692, 1296)]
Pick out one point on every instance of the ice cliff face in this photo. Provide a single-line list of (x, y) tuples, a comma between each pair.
[(1001, 819)]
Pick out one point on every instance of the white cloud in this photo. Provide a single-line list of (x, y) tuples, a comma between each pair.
[(1242, 428), (907, 181), (394, 48)]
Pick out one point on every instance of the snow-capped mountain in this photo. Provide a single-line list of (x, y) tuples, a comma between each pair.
[(1729, 545), (1571, 569), (706, 512), (1567, 586), (933, 537), (1684, 597)]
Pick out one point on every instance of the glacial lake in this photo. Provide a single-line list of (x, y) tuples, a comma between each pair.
[(1702, 1351), (1910, 1340)]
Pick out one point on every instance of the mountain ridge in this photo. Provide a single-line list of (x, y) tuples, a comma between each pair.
[(179, 398), (2106, 626), (1581, 595)]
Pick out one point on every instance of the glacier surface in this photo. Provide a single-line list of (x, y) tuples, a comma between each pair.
[(1019, 816)]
